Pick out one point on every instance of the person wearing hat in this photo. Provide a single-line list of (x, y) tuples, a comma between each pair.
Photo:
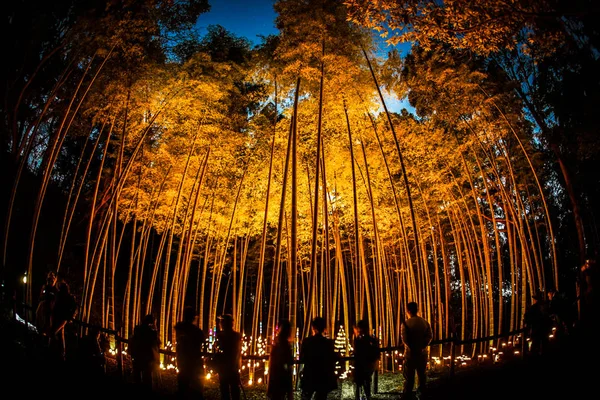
[(538, 324), (228, 357)]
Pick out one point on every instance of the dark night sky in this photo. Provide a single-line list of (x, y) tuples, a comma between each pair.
[(250, 18), (247, 18)]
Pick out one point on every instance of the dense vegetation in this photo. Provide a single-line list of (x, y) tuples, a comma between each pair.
[(155, 168)]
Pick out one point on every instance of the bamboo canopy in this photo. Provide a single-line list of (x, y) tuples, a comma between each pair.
[(279, 182)]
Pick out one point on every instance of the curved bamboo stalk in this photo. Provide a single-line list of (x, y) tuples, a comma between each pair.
[(87, 267), (537, 181), (25, 147), (401, 160), (50, 160), (164, 312), (360, 263), (210, 322), (263, 243), (272, 317), (216, 287), (315, 209), (293, 260)]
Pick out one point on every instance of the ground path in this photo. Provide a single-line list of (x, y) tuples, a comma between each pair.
[(570, 373)]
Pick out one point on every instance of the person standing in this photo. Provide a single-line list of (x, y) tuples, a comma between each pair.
[(190, 341), (588, 301), (63, 312), (416, 335), (366, 355), (92, 361), (538, 324), (228, 356), (318, 356), (43, 311), (561, 314), (281, 363), (144, 348)]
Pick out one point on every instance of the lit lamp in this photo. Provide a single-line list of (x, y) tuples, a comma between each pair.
[(24, 295), (24, 288)]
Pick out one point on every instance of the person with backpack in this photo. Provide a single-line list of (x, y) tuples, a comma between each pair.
[(416, 334), (366, 356)]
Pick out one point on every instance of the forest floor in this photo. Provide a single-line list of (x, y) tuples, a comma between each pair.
[(570, 371)]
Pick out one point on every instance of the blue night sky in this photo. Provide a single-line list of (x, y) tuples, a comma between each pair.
[(250, 18), (246, 18)]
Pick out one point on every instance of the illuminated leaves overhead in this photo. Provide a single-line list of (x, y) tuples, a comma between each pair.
[(483, 27), (182, 154)]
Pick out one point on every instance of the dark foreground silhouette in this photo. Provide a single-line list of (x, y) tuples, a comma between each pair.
[(565, 375), (568, 372)]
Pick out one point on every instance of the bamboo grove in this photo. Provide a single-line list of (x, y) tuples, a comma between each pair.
[(279, 184)]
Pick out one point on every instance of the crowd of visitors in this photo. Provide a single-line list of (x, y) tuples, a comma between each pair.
[(550, 314)]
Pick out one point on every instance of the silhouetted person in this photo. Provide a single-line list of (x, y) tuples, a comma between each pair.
[(144, 348), (92, 360), (228, 358), (589, 301), (63, 312), (189, 346), (318, 356), (43, 312), (561, 314), (416, 336), (538, 324), (50, 287), (281, 363), (366, 355)]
